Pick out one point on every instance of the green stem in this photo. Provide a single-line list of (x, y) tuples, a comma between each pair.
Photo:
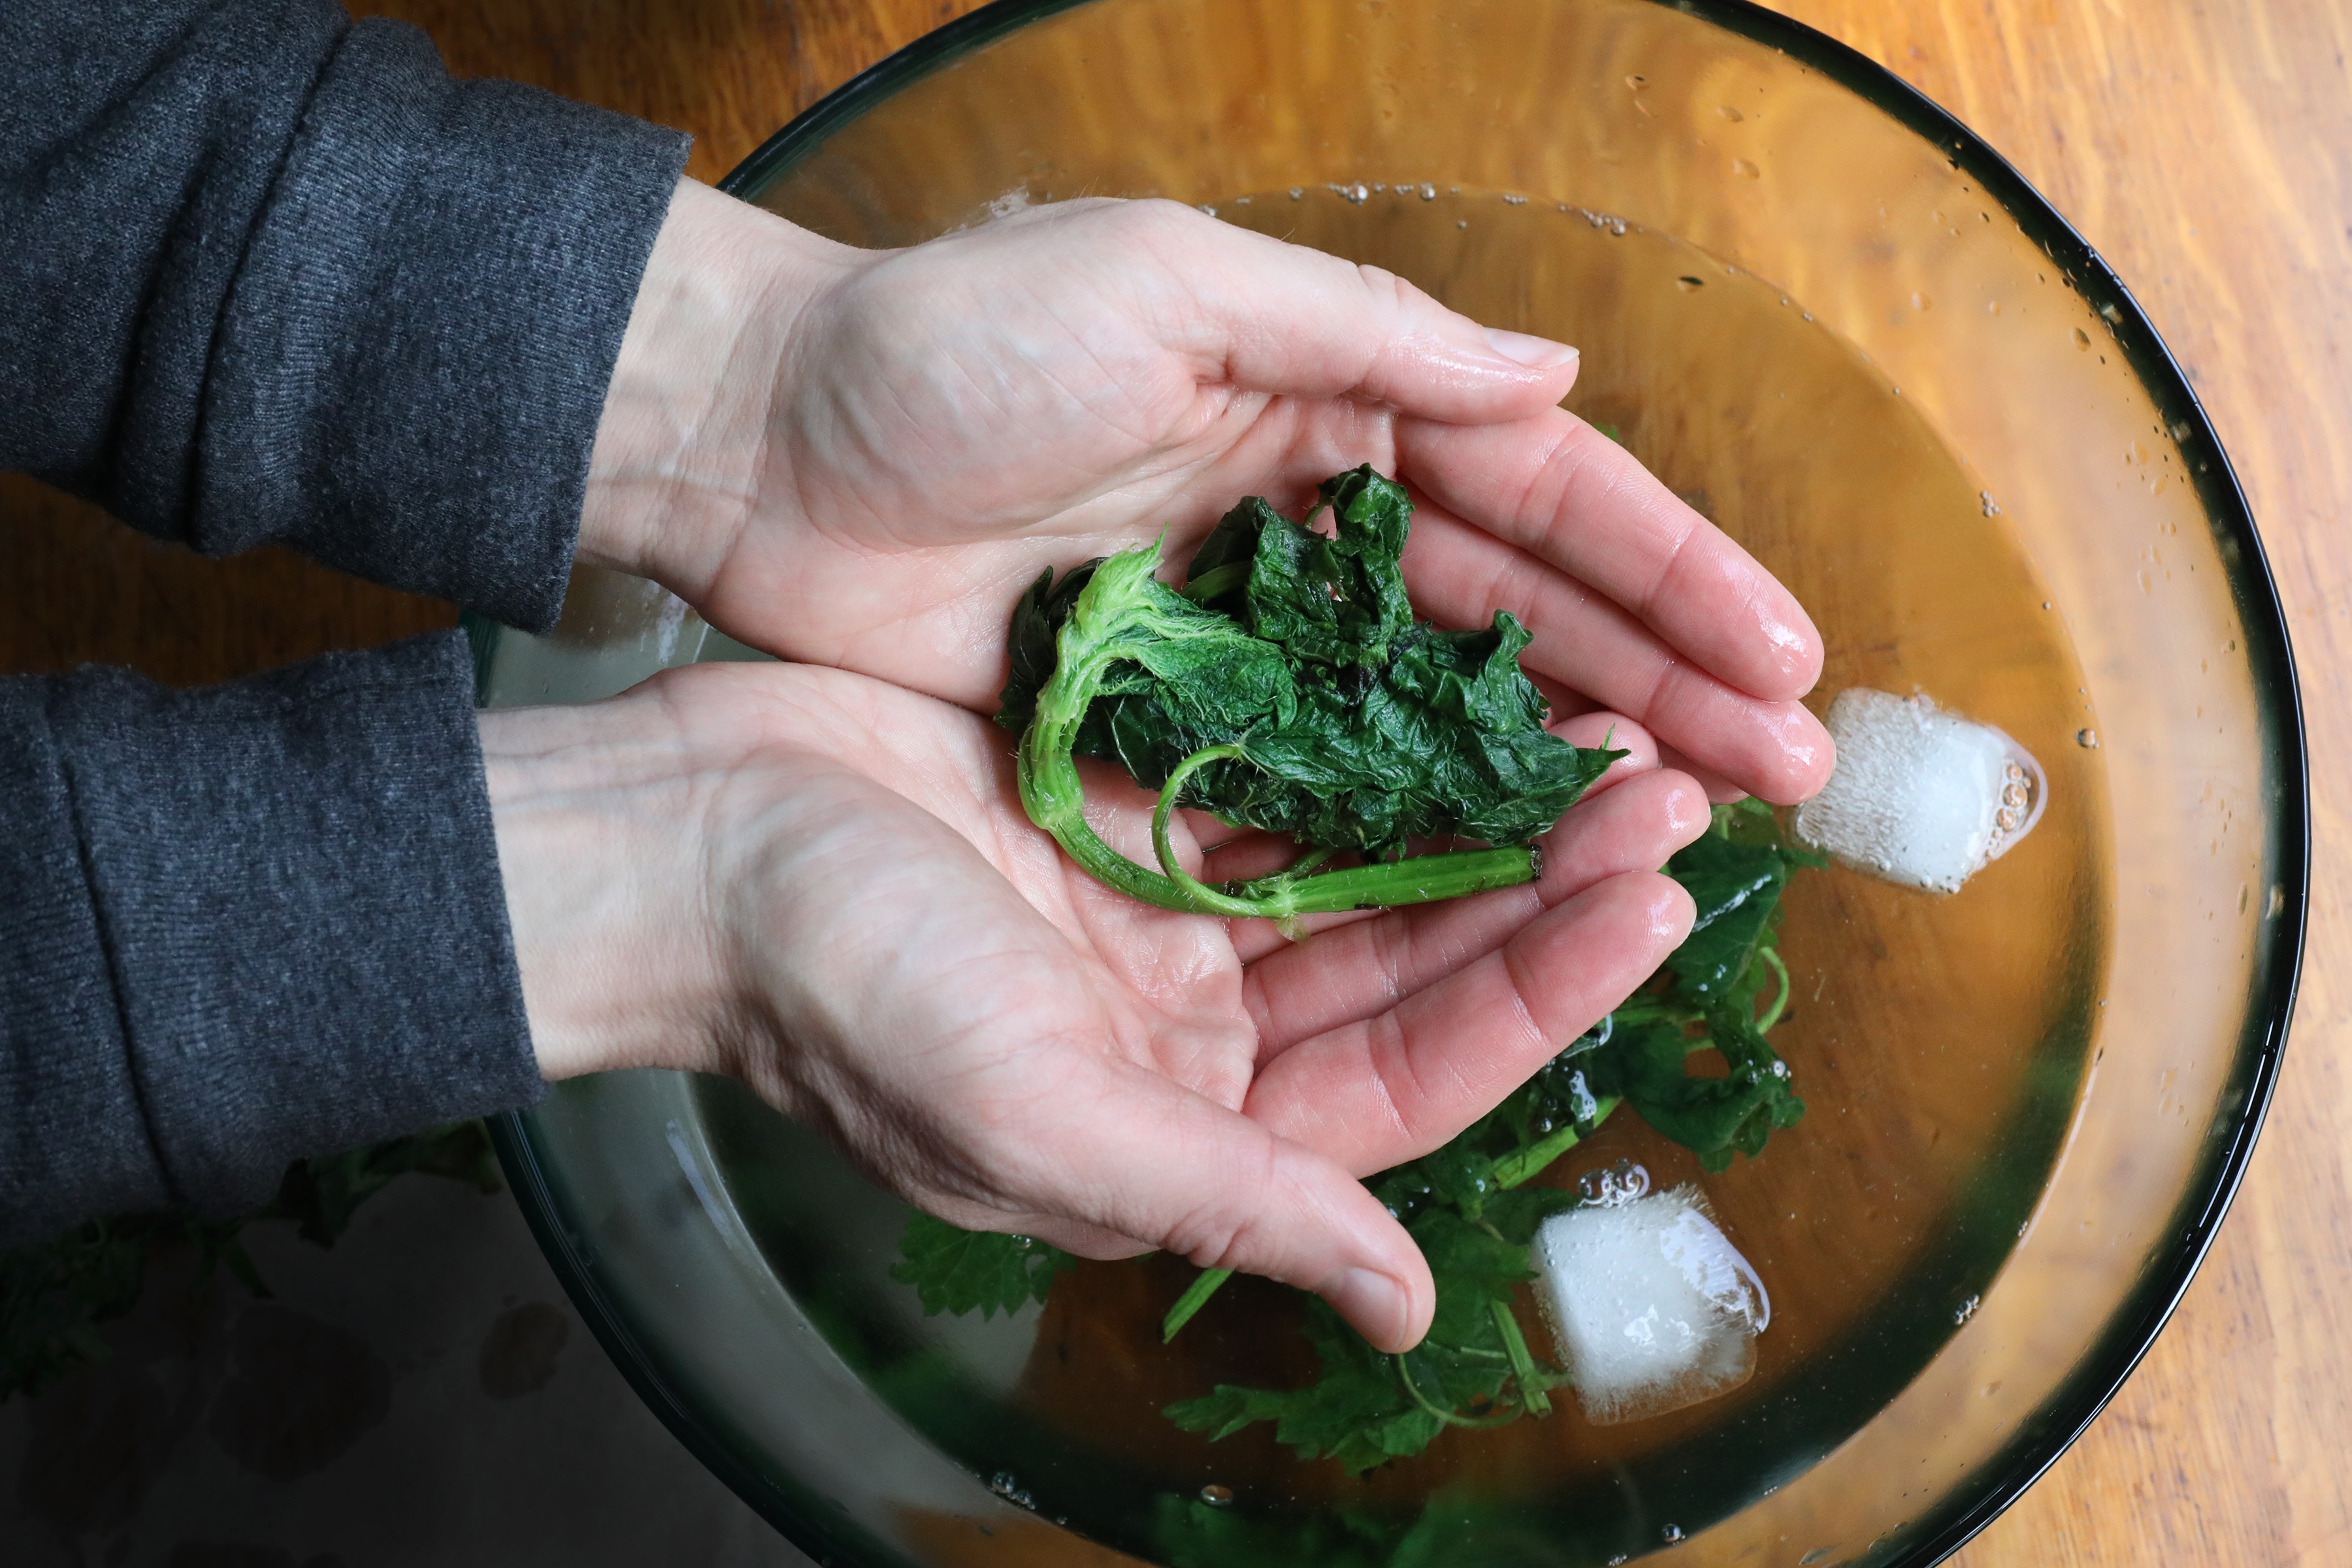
[(1302, 867), (1532, 1398), (1216, 581), (1516, 1169), (1192, 1301), (1781, 1002), (1055, 800), (1166, 809), (1476, 1423)]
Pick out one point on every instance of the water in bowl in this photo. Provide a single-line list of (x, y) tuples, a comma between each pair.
[(1939, 1040)]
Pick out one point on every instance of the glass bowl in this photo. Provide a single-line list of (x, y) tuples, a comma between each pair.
[(1835, 321)]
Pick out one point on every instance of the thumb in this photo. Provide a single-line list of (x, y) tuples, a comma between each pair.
[(1268, 316), (1178, 1171)]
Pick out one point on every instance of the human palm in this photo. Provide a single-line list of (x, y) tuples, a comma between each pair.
[(899, 957), (923, 431)]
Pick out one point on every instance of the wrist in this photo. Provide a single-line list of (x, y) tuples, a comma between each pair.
[(675, 470), (592, 807)]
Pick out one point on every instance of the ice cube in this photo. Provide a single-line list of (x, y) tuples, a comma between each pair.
[(1651, 1308), (1921, 795)]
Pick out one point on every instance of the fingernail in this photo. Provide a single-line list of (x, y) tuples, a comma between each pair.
[(1373, 1303), (1521, 348)]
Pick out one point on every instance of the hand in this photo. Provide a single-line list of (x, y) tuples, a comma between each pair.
[(859, 459), (825, 886)]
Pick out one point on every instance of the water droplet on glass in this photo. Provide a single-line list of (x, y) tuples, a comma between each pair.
[(1428, 192), (1516, 201), (1208, 209), (1745, 170), (1991, 508), (2082, 339), (1216, 1496), (1687, 284), (1461, 223), (2087, 738), (1297, 192), (1671, 1535), (1968, 1310)]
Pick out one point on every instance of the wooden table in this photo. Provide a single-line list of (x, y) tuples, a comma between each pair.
[(2205, 149)]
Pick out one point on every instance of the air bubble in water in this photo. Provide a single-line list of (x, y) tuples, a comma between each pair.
[(1607, 1186)]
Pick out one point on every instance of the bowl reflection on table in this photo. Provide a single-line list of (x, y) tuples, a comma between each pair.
[(1830, 320)]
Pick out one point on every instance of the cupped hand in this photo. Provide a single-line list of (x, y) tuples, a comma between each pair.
[(859, 459), (825, 885)]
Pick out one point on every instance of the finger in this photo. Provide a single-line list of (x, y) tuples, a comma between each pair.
[(1578, 501), (1604, 731), (1720, 791), (1266, 316), (1461, 576), (1119, 1150), (1357, 972), (1391, 1088)]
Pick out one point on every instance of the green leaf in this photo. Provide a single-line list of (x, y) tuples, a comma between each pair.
[(1736, 887), (960, 1271), (321, 1195), (1359, 728)]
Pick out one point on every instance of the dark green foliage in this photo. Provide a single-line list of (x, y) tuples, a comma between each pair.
[(1466, 1204), (55, 1295), (1474, 1368), (1359, 726), (1474, 1220), (1716, 980), (321, 1196), (964, 1271)]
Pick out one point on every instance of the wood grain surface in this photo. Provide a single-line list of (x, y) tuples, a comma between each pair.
[(2205, 149)]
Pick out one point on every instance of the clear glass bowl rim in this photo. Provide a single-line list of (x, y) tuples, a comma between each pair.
[(2254, 1071)]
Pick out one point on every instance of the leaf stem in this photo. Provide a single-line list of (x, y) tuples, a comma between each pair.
[(1522, 1165), (1532, 1398), (1190, 1302), (1452, 1418), (1090, 642), (1781, 1002)]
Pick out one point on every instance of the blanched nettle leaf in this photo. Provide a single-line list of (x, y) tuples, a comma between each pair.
[(960, 1271), (1360, 728), (1736, 887), (1712, 1117), (1357, 1411)]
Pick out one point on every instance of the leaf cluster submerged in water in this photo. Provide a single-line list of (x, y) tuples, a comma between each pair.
[(1359, 726), (1464, 1203), (1327, 713)]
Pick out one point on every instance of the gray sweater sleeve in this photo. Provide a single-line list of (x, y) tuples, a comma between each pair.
[(271, 275), (243, 924)]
